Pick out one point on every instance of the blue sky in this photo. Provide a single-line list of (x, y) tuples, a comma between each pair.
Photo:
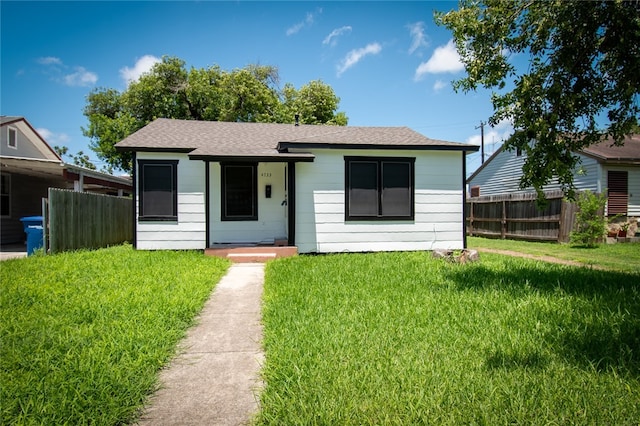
[(387, 61)]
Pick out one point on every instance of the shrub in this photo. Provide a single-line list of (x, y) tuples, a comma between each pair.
[(591, 225)]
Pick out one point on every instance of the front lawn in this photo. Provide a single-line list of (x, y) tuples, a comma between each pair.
[(401, 338), (621, 257), (84, 334)]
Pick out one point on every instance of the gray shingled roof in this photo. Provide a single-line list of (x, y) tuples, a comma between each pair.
[(217, 138), (629, 152)]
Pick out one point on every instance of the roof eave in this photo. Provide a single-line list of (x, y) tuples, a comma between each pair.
[(285, 146), (298, 158), (152, 149)]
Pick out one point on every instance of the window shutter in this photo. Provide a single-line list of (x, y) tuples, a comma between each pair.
[(618, 199)]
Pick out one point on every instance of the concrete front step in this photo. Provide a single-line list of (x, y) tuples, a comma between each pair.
[(253, 254)]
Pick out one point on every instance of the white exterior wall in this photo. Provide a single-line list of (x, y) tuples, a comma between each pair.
[(190, 229), (320, 206), (271, 223)]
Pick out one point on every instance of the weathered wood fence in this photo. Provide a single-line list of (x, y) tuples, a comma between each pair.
[(516, 216), (77, 220)]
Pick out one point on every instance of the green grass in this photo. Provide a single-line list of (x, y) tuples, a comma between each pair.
[(84, 334), (621, 257), (401, 338)]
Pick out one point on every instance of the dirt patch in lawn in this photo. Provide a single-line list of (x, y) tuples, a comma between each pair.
[(549, 259)]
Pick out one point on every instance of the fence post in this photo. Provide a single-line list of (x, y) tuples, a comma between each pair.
[(503, 227), (471, 217)]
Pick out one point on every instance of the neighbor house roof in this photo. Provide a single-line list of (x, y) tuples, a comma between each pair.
[(607, 152), (217, 139), (53, 165)]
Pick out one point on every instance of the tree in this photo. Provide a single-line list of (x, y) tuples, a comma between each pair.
[(169, 90), (581, 83), (80, 159), (591, 224)]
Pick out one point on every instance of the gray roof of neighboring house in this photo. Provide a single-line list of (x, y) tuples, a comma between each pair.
[(607, 152), (211, 139), (4, 119)]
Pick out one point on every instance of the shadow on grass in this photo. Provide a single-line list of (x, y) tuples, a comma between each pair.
[(596, 320)]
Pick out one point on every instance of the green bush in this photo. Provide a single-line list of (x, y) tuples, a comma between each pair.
[(591, 225)]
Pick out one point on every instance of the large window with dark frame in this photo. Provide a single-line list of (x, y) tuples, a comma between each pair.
[(379, 188), (239, 191), (158, 190)]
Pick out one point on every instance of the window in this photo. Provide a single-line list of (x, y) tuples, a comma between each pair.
[(239, 191), (12, 138), (158, 190), (379, 188), (5, 195)]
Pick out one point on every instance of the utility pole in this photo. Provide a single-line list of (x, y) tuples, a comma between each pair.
[(481, 127)]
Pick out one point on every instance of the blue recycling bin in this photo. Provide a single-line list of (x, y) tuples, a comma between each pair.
[(33, 227)]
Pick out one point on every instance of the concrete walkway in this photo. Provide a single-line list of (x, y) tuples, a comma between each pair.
[(215, 378)]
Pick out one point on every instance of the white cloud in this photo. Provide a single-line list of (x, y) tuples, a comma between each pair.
[(418, 38), (493, 136), (439, 85), (49, 60), (356, 55), (294, 29), (81, 77), (51, 137), (308, 21), (332, 38), (59, 72), (444, 59), (142, 65)]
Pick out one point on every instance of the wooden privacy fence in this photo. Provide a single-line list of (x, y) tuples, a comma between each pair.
[(82, 220), (516, 216)]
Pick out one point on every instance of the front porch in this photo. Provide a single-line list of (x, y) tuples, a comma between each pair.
[(256, 253)]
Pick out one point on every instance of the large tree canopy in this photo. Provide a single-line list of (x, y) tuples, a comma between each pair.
[(579, 84), (169, 90)]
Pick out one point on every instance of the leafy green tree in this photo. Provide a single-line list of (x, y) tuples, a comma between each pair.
[(315, 103), (591, 224), (583, 62), (80, 159), (169, 90)]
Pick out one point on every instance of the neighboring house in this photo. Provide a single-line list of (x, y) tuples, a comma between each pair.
[(28, 167), (320, 188), (603, 168)]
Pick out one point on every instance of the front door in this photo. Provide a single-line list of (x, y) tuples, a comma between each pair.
[(247, 203)]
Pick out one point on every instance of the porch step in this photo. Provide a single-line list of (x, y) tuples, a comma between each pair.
[(253, 254), (250, 257)]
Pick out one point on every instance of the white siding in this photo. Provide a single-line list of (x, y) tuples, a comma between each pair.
[(502, 175), (320, 206), (271, 223), (190, 229)]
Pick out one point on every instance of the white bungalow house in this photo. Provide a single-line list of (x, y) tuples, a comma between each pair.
[(28, 167), (199, 184), (603, 168)]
